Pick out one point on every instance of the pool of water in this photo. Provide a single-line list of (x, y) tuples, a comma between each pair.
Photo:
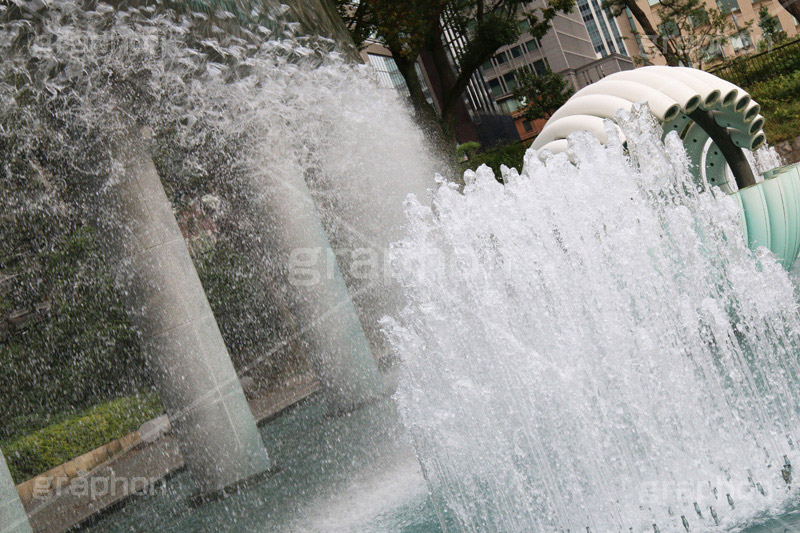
[(355, 473), (352, 473)]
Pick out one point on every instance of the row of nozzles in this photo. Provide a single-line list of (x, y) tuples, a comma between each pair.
[(669, 92)]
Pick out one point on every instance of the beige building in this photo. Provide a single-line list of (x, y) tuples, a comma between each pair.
[(583, 46), (742, 14)]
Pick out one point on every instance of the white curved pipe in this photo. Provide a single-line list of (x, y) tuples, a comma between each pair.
[(660, 104), (561, 128), (729, 92), (605, 106), (709, 93), (742, 99), (756, 125), (751, 111), (745, 140), (758, 141), (555, 147), (688, 99)]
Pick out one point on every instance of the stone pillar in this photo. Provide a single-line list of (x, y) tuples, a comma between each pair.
[(185, 351), (318, 298), (13, 518)]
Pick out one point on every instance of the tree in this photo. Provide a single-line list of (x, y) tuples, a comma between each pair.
[(771, 31), (696, 31), (691, 34), (541, 95), (409, 28), (666, 47)]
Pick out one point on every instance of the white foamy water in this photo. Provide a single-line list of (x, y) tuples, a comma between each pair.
[(594, 346)]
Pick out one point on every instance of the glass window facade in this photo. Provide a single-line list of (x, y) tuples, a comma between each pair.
[(511, 81), (388, 74), (602, 28), (726, 6), (495, 88), (741, 41)]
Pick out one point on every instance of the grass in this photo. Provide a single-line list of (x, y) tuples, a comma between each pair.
[(39, 451), (780, 104)]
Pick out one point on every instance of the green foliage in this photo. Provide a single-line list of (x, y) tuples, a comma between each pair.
[(694, 29), (37, 452), (252, 321), (542, 94), (751, 69), (468, 149), (510, 155), (691, 30), (780, 104), (410, 27), (82, 350), (771, 32)]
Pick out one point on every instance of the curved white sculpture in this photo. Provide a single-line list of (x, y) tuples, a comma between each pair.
[(716, 120), (679, 97)]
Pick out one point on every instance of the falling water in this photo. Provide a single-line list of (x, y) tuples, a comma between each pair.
[(594, 346), (591, 345)]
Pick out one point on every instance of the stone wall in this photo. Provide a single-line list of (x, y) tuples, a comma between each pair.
[(789, 150)]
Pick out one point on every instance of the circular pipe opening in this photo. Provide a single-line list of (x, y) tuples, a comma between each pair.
[(692, 104), (756, 125), (729, 98), (712, 98), (743, 102), (758, 141), (752, 113), (672, 113)]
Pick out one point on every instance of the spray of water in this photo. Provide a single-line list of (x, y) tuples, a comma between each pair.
[(237, 108), (594, 346)]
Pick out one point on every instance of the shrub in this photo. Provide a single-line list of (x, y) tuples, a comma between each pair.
[(37, 452), (779, 98), (510, 155)]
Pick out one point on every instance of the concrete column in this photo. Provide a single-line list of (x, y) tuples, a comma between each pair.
[(317, 295), (13, 518), (185, 351)]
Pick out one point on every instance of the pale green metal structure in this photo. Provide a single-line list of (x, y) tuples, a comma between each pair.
[(771, 213)]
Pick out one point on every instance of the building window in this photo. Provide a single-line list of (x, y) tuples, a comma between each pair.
[(540, 67), (425, 90), (712, 51), (487, 66), (511, 81), (500, 58), (495, 88), (516, 52), (726, 6), (524, 25), (532, 45), (668, 29), (527, 126), (388, 74), (698, 17), (508, 106), (741, 40)]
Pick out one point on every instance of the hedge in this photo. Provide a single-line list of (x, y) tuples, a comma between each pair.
[(37, 452)]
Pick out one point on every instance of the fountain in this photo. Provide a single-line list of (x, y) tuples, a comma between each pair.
[(590, 345)]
